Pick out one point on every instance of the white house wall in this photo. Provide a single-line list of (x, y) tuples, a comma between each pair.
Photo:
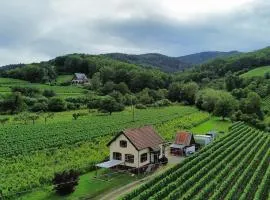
[(130, 149), (148, 157)]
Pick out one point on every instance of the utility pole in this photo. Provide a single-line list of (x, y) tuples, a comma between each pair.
[(133, 111)]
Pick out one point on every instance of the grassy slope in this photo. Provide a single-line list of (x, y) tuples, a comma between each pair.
[(256, 72), (213, 124), (62, 91)]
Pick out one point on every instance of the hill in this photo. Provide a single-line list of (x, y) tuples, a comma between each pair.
[(238, 64), (167, 63), (202, 57), (162, 62)]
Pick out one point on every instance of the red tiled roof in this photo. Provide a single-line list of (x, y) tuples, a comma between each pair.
[(183, 137), (144, 137)]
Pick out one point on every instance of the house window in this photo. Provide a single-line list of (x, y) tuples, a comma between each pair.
[(123, 143), (117, 156), (129, 158), (143, 157)]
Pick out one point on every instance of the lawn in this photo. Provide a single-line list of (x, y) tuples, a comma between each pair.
[(88, 187), (62, 91), (256, 72), (64, 78), (214, 123)]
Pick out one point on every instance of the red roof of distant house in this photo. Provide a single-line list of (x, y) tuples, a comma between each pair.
[(183, 137), (141, 138)]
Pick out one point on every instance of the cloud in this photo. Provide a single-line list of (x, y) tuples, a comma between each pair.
[(33, 30)]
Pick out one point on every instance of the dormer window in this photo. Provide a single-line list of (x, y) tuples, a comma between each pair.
[(123, 143)]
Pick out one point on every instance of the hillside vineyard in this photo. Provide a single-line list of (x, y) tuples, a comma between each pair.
[(234, 167)]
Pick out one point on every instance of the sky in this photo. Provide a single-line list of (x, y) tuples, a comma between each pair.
[(36, 30)]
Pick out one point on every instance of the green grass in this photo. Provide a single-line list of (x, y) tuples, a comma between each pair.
[(64, 78), (214, 123), (62, 91), (256, 72), (88, 187)]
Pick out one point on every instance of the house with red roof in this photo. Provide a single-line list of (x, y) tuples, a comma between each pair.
[(135, 148), (184, 143)]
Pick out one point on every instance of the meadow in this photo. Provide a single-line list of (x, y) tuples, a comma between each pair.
[(236, 166), (61, 91), (257, 72)]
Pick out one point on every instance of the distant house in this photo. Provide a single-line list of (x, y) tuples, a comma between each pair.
[(184, 143), (79, 78), (135, 148)]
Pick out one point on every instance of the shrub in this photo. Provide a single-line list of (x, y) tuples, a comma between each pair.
[(37, 107), (48, 93), (56, 104), (65, 182)]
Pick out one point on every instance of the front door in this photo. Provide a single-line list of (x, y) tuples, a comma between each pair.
[(156, 158)]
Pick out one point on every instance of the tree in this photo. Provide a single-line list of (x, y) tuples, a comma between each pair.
[(57, 104), (232, 81), (189, 92), (75, 115), (48, 93), (252, 104), (110, 105), (175, 90), (24, 117), (47, 116), (39, 107), (65, 182), (225, 105), (207, 99), (4, 120), (12, 103), (33, 117), (95, 81)]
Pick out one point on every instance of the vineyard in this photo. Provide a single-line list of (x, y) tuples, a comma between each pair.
[(234, 167), (21, 139), (31, 154), (266, 103)]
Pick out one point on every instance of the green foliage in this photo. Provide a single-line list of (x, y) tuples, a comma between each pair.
[(225, 105), (109, 105), (12, 103), (4, 120), (56, 104), (65, 182), (48, 93)]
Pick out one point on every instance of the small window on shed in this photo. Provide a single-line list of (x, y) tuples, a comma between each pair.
[(123, 143), (143, 157)]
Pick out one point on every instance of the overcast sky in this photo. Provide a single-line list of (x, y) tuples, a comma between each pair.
[(35, 30)]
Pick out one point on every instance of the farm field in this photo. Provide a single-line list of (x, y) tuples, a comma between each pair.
[(73, 144), (260, 71), (236, 166), (62, 91)]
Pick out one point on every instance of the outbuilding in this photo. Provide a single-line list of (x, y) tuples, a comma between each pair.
[(184, 144)]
